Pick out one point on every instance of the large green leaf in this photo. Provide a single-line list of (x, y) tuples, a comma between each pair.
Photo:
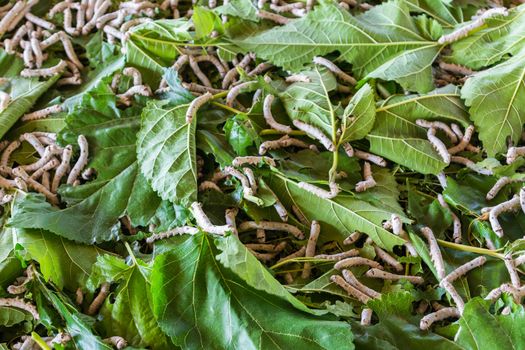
[(10, 316), (397, 137), (339, 216), (441, 11), (129, 313), (65, 263), (189, 286), (359, 115), (481, 329), (379, 42), (494, 97), (166, 151)]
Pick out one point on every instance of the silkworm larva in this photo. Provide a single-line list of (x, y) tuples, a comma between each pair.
[(51, 197), (132, 23), (238, 89), (52, 164), (230, 215), (268, 116), (58, 8), (465, 268), (184, 230), (260, 235), (195, 105), (18, 303), (62, 168), (517, 293), (29, 58), (260, 68), (352, 238), (438, 125), (351, 290), (253, 160), (194, 87), (334, 69), (522, 199), (271, 226), (315, 229), (435, 252), (103, 20), (316, 133), (81, 161), (458, 300), (11, 16), (377, 273), (43, 113), (114, 32), (356, 261), (99, 299), (319, 192), (368, 181), (500, 208), (266, 247), (338, 256), (442, 178), (33, 141), (389, 259), (439, 315), (372, 158), (116, 341), (133, 73), (278, 206), (209, 185), (214, 61), (126, 97), (44, 72), (478, 22), (438, 145), (272, 17), (471, 165), (198, 72), (247, 189), (297, 254), (5, 98), (68, 22), (350, 278), (456, 221), (204, 222), (366, 317), (513, 153), (97, 12), (12, 44), (4, 160), (465, 141), (298, 78), (513, 273), (493, 192), (40, 21)]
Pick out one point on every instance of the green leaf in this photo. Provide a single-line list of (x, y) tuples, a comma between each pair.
[(339, 216), (240, 134), (243, 9), (10, 65), (65, 263), (397, 304), (129, 313), (481, 329), (397, 137), (494, 97), (205, 22), (166, 152), (441, 11), (188, 283), (24, 93), (378, 43), (10, 316), (359, 115)]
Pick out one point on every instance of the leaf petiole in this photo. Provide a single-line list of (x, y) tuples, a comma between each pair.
[(470, 249)]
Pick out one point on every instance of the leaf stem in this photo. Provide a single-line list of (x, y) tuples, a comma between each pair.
[(301, 259), (470, 249), (228, 108), (276, 132), (130, 251), (38, 339)]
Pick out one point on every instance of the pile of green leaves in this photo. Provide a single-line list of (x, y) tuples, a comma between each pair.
[(206, 291)]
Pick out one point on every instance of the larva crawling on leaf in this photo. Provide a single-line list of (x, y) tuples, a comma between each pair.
[(438, 145), (297, 254), (315, 229), (271, 226), (438, 125), (268, 116), (273, 17), (354, 237), (184, 230), (246, 187), (116, 341), (351, 290), (448, 312), (42, 113), (18, 303), (334, 69), (453, 293), (209, 185), (366, 316), (229, 216), (81, 161), (388, 259), (51, 197), (338, 256), (316, 133), (252, 160), (195, 105), (45, 72), (513, 273), (513, 153), (238, 89), (471, 165), (502, 182), (509, 205), (350, 278), (456, 236), (319, 192), (96, 304), (356, 261), (465, 268), (435, 252), (204, 222), (368, 181), (377, 273)]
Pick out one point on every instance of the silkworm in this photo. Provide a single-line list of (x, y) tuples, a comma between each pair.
[(517, 293), (356, 261), (315, 229), (58, 8), (113, 32), (458, 300), (81, 161), (366, 316), (448, 312), (513, 153), (319, 192), (232, 74), (194, 87), (513, 273), (132, 23), (11, 16), (81, 16), (272, 17), (298, 78), (351, 290), (264, 257), (500, 208), (204, 222), (51, 197), (372, 158), (62, 168), (252, 160), (493, 192), (285, 141), (354, 237), (471, 165), (260, 235), (368, 181), (133, 73), (99, 299), (184, 230), (465, 140), (456, 68), (297, 254), (12, 44), (238, 89), (456, 236), (116, 341), (334, 69), (465, 268), (18, 303), (478, 22), (389, 259), (338, 256), (268, 116), (5, 98), (229, 216), (20, 184), (198, 72), (438, 145), (214, 61), (97, 12), (316, 133), (68, 22), (278, 206), (438, 125), (286, 7), (33, 141), (39, 21), (4, 160), (442, 178), (266, 247), (271, 226), (247, 189), (29, 59), (377, 273), (350, 278), (435, 252), (5, 183), (44, 72), (42, 113), (209, 185), (126, 97), (53, 163), (103, 20), (195, 105), (260, 68)]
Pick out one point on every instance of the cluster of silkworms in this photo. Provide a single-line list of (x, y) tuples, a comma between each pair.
[(53, 167)]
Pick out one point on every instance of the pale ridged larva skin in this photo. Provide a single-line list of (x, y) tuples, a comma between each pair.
[(319, 192), (465, 268), (427, 321), (458, 300), (372, 158), (260, 235), (267, 247), (366, 317), (229, 216), (268, 116), (204, 222), (213, 60), (517, 293), (435, 252), (297, 78), (356, 261), (99, 299), (4, 160), (271, 226), (388, 259), (457, 236), (377, 273), (501, 208), (471, 165), (334, 69), (513, 153), (354, 237), (316, 133), (252, 160), (198, 72), (502, 182), (116, 341), (42, 113), (456, 68), (438, 125), (248, 172), (350, 278), (51, 197), (315, 230), (246, 188), (81, 161), (20, 304), (45, 72), (196, 104), (351, 290), (184, 230), (438, 145), (338, 256), (273, 17), (368, 181), (464, 142), (513, 273)]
